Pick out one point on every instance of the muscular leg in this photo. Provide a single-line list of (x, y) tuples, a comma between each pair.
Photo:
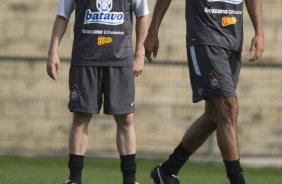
[(201, 129), (193, 138), (228, 110), (126, 145), (78, 139)]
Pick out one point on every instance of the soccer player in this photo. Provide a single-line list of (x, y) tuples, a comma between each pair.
[(103, 67), (214, 45)]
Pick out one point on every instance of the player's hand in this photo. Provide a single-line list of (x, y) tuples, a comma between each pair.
[(257, 48), (53, 65), (151, 46), (138, 64)]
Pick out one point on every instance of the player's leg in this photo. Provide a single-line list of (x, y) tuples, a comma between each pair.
[(193, 138), (222, 83), (78, 136), (119, 93), (228, 109), (85, 99), (126, 145), (201, 129), (187, 146), (78, 140), (125, 135)]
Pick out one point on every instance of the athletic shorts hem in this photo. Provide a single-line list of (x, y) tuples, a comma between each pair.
[(118, 112), (214, 97), (83, 111)]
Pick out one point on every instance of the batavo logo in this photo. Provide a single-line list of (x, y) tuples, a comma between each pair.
[(104, 14), (227, 1), (104, 40), (226, 21)]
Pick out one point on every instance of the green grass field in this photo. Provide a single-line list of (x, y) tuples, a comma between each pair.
[(53, 170)]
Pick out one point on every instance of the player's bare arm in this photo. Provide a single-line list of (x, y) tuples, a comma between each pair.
[(53, 62), (254, 8), (152, 41), (141, 33)]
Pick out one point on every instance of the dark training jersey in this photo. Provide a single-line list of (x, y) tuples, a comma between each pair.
[(103, 33), (102, 30), (215, 22)]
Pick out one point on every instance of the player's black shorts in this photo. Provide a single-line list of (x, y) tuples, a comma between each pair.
[(90, 86), (214, 71)]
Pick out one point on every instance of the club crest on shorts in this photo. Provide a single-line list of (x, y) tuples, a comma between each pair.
[(214, 81), (74, 93)]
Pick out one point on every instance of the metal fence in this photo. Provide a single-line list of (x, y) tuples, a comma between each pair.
[(35, 120)]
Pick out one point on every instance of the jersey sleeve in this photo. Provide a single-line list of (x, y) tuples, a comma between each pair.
[(140, 7), (65, 8)]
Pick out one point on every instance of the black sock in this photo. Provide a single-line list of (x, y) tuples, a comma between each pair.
[(75, 165), (234, 172), (128, 168), (176, 160)]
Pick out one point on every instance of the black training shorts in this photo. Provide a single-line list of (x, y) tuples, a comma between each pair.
[(90, 86), (214, 71)]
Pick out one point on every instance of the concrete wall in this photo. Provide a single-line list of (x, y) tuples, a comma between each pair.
[(26, 27), (34, 118)]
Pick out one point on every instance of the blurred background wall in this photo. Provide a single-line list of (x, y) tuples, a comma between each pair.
[(34, 119)]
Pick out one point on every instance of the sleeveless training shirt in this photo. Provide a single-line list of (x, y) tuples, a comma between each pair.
[(103, 33), (215, 22)]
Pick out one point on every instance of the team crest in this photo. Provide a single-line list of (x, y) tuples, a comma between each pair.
[(74, 93), (214, 81), (104, 5), (227, 1)]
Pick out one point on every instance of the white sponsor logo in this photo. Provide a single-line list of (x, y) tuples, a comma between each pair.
[(221, 11), (227, 1), (104, 16), (100, 32), (96, 32)]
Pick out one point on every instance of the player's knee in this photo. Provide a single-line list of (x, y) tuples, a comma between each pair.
[(81, 120), (228, 110), (124, 121), (231, 106)]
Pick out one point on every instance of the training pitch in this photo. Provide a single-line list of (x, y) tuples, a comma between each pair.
[(53, 170)]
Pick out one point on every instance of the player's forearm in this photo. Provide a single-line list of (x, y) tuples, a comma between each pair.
[(58, 32), (160, 9), (254, 8), (141, 33)]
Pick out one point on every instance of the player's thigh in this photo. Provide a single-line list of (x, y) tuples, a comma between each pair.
[(211, 72), (85, 85), (119, 90)]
